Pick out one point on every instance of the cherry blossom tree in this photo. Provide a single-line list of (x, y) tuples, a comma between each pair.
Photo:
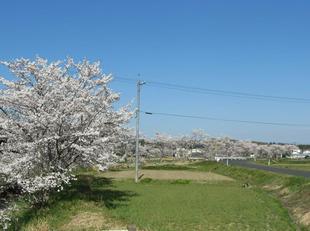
[(56, 116), (163, 143)]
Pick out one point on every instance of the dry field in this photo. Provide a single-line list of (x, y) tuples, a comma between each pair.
[(168, 175)]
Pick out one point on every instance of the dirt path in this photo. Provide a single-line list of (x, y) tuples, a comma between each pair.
[(169, 175)]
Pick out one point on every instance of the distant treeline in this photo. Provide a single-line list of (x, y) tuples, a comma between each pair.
[(302, 147)]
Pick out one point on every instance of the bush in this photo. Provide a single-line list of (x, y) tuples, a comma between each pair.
[(146, 180), (180, 181)]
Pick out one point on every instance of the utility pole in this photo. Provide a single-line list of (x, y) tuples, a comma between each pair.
[(139, 84)]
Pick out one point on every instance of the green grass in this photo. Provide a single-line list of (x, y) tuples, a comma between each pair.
[(159, 205), (169, 206), (167, 167), (287, 163), (292, 192), (294, 166)]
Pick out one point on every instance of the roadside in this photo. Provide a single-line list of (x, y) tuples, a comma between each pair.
[(248, 164), (303, 164)]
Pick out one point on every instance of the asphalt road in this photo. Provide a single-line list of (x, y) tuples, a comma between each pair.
[(248, 164)]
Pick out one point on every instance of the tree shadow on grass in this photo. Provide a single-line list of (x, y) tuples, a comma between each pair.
[(96, 189), (87, 188)]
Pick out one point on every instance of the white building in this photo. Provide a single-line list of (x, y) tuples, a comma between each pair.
[(306, 153), (298, 154), (219, 158)]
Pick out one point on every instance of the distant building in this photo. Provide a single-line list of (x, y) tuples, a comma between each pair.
[(196, 154), (219, 158), (298, 154), (307, 152)]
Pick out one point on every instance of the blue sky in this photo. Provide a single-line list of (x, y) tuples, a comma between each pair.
[(260, 47)]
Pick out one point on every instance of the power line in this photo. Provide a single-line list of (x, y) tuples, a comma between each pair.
[(230, 93), (225, 120), (218, 92)]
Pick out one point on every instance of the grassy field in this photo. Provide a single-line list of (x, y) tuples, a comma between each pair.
[(97, 202), (287, 163), (94, 203), (166, 206), (293, 192)]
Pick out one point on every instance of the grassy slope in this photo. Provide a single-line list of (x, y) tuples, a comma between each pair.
[(293, 192), (162, 205)]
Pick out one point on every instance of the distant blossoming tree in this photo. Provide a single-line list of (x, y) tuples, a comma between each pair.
[(163, 143), (55, 116)]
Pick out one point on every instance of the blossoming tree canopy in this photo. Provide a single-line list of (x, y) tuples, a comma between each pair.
[(56, 115)]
